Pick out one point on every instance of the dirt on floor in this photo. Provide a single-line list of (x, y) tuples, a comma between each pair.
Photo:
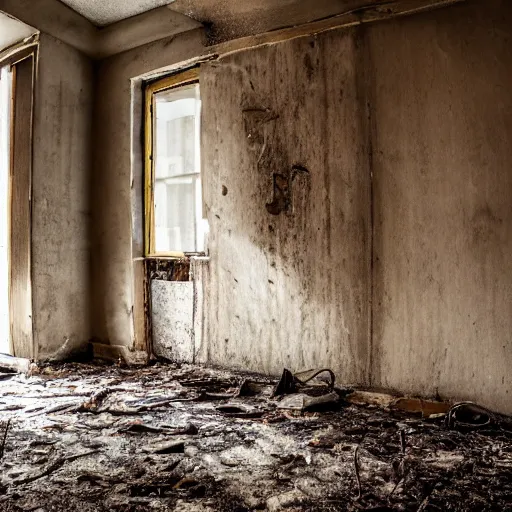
[(186, 438)]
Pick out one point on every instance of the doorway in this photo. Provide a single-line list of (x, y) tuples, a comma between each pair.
[(16, 101), (5, 153)]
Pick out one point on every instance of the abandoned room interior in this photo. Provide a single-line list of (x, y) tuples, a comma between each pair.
[(255, 255)]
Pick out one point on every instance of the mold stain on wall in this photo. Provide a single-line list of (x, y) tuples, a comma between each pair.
[(289, 269)]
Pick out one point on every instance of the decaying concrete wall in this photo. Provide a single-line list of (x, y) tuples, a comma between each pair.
[(117, 185), (286, 181), (60, 207), (441, 122), (442, 153), (292, 135)]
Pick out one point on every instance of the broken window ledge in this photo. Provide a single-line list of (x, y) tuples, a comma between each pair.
[(177, 256)]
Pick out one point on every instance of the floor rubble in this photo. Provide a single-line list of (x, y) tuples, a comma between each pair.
[(186, 438)]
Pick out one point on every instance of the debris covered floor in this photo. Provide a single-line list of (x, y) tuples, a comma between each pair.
[(167, 437)]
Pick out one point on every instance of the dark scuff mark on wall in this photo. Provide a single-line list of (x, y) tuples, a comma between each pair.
[(260, 125), (254, 119), (283, 191), (281, 195)]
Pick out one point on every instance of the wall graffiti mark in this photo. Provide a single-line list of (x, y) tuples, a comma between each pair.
[(282, 190), (263, 136)]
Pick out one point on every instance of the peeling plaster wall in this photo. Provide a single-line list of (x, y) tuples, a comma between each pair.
[(117, 184), (442, 153), (424, 104), (438, 86), (60, 207), (283, 132), (289, 290), (172, 314)]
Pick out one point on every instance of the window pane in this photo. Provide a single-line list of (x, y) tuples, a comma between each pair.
[(178, 208), (175, 206)]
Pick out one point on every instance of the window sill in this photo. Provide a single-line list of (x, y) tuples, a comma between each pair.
[(176, 256)]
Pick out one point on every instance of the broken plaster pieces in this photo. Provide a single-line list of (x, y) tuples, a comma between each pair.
[(301, 402), (144, 438), (14, 364)]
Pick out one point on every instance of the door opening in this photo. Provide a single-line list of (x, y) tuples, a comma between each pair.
[(5, 157)]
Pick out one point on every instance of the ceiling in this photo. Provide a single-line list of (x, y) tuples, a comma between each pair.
[(13, 31), (105, 12), (229, 19), (225, 19)]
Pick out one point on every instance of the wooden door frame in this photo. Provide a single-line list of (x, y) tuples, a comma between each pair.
[(23, 64)]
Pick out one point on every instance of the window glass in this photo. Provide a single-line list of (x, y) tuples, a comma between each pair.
[(178, 224)]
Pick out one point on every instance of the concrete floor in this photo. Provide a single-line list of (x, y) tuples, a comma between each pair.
[(163, 437)]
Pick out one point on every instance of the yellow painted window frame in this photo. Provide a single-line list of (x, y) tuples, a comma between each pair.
[(188, 77)]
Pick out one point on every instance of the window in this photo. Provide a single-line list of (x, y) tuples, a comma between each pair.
[(173, 199)]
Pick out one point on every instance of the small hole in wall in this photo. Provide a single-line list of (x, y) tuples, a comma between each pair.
[(224, 190)]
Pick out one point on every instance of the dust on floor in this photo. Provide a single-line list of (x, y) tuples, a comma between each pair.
[(168, 437)]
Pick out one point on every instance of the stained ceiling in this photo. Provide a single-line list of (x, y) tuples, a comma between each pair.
[(105, 12), (229, 19), (226, 19)]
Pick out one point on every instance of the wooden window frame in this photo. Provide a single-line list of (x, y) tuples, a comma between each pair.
[(188, 77)]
